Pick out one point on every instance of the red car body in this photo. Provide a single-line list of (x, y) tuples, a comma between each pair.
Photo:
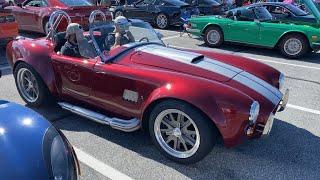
[(100, 85), (31, 17), (8, 26)]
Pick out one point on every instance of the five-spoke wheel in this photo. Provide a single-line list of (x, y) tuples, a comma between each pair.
[(181, 132)]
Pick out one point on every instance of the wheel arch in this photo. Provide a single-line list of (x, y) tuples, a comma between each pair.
[(290, 33), (211, 25), (148, 109), (47, 80)]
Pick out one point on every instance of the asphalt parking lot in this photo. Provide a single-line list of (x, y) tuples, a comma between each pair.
[(291, 151)]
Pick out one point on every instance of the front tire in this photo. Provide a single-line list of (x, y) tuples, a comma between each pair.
[(213, 36), (162, 21), (30, 86), (181, 132), (293, 46), (46, 27)]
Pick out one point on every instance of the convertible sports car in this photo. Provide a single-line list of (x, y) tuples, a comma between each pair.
[(145, 84), (32, 148), (286, 13), (33, 15), (255, 26), (161, 13), (8, 26)]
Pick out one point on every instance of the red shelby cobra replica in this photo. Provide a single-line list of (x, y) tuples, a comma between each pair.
[(33, 15), (185, 99)]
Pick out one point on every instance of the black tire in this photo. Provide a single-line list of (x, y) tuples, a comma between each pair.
[(164, 24), (213, 29), (118, 13), (44, 98), (207, 131), (301, 41), (45, 25)]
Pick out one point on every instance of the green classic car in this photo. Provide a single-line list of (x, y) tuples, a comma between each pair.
[(254, 26)]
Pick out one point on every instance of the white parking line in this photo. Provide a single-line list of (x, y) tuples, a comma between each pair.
[(99, 166), (303, 109), (171, 37)]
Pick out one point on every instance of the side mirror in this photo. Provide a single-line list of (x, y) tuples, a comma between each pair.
[(159, 34)]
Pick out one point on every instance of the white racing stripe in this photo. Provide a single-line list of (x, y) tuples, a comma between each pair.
[(303, 109), (99, 166)]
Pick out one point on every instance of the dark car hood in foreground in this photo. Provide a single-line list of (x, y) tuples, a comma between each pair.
[(21, 135), (199, 65)]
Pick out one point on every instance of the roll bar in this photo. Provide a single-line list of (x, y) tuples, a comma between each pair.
[(55, 19), (94, 14)]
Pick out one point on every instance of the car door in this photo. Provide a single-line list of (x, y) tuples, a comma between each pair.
[(74, 76), (244, 29), (115, 88)]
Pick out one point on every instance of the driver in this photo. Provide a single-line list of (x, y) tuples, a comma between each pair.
[(70, 48), (121, 34)]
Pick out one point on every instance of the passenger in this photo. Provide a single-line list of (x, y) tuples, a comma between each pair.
[(121, 34), (70, 48)]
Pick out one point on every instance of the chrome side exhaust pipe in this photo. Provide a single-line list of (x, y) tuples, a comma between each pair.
[(115, 123)]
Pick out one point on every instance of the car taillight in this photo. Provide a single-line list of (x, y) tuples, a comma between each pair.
[(4, 19)]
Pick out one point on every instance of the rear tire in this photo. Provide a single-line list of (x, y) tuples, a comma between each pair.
[(185, 140), (293, 46), (46, 27), (213, 37), (31, 87)]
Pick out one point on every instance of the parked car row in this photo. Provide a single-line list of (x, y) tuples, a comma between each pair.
[(253, 25)]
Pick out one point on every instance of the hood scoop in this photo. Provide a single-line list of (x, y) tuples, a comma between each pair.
[(185, 62)]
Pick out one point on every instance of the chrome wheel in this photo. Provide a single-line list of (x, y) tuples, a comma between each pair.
[(177, 133), (118, 13), (213, 37), (293, 46), (162, 21), (27, 85)]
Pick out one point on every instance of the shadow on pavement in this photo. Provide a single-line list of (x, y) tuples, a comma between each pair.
[(289, 151)]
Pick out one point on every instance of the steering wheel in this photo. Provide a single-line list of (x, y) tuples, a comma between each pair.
[(144, 38)]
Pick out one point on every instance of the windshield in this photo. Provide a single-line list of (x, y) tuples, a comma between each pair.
[(104, 36), (76, 2), (297, 11), (262, 14)]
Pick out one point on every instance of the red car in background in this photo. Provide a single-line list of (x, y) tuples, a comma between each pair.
[(33, 15), (8, 26)]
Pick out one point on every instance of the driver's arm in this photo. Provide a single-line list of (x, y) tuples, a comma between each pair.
[(130, 36)]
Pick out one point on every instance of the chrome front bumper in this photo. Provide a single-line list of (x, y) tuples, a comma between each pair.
[(284, 101)]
